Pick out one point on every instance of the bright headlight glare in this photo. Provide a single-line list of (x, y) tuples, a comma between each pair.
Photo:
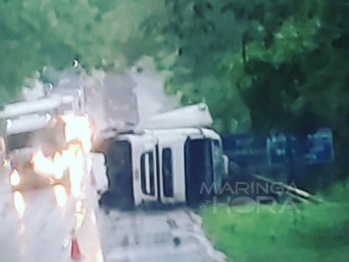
[(15, 179), (48, 117), (9, 123)]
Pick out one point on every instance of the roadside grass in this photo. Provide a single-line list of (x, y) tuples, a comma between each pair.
[(317, 233)]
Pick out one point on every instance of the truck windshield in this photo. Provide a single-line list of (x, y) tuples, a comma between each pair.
[(21, 140)]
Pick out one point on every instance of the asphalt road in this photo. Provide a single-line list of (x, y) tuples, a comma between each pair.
[(36, 227), (154, 236)]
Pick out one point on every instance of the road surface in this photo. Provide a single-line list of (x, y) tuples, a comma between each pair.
[(154, 236), (36, 227)]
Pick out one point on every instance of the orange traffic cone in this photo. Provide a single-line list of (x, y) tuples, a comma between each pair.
[(75, 250)]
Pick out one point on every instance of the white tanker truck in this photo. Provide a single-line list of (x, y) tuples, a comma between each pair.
[(166, 159)]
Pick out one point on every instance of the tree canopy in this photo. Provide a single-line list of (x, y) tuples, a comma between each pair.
[(273, 64), (42, 33), (278, 58)]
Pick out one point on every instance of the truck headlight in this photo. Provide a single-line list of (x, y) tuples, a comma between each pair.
[(8, 123), (48, 117), (5, 162), (15, 178)]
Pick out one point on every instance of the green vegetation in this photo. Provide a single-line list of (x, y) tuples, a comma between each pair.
[(267, 64), (35, 34), (268, 61), (318, 233), (256, 61)]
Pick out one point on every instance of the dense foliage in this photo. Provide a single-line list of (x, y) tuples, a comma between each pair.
[(276, 64), (278, 56), (313, 234), (42, 33)]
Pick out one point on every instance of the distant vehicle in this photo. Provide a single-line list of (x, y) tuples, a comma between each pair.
[(165, 165), (30, 125), (24, 137)]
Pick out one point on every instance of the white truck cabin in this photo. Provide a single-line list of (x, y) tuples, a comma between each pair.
[(24, 135), (21, 136), (166, 166), (25, 119)]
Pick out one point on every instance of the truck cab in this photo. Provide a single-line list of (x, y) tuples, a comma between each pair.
[(31, 125), (24, 136), (165, 166)]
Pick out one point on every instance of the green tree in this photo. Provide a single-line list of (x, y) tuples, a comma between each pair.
[(281, 64), (226, 52), (272, 63), (42, 33)]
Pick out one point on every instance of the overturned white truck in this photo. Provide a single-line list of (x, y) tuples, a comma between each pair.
[(166, 159)]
